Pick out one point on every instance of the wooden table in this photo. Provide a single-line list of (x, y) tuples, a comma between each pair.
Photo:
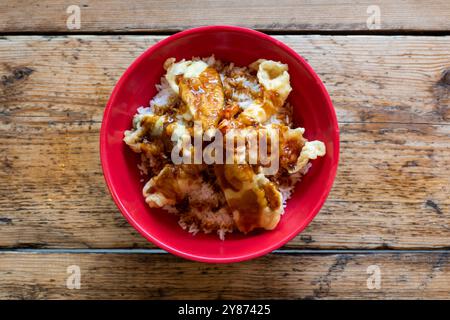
[(388, 214)]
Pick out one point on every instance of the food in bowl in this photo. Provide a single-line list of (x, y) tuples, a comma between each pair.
[(218, 145)]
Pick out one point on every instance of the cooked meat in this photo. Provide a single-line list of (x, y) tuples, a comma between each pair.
[(203, 97), (253, 199), (171, 185)]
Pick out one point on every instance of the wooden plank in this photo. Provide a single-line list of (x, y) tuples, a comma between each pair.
[(370, 78), (52, 97), (281, 15), (54, 195), (155, 276)]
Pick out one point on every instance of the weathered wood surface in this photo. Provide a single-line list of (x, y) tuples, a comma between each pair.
[(280, 15), (370, 78), (163, 276), (392, 99), (53, 192)]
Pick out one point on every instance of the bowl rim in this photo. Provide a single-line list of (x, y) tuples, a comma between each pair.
[(107, 173)]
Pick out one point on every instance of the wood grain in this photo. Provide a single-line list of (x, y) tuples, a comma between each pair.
[(163, 276), (281, 15), (54, 195), (370, 78), (392, 99)]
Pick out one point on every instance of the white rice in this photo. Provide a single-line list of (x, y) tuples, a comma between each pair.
[(204, 195), (287, 190), (210, 61), (144, 110), (165, 95)]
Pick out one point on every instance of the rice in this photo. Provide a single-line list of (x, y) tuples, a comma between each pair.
[(204, 194), (142, 169), (287, 188), (205, 220), (171, 209), (165, 95), (202, 214), (144, 110)]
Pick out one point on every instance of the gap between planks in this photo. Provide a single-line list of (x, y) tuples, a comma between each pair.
[(70, 121), (393, 32), (276, 252)]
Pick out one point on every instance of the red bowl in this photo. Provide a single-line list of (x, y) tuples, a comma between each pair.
[(313, 110)]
